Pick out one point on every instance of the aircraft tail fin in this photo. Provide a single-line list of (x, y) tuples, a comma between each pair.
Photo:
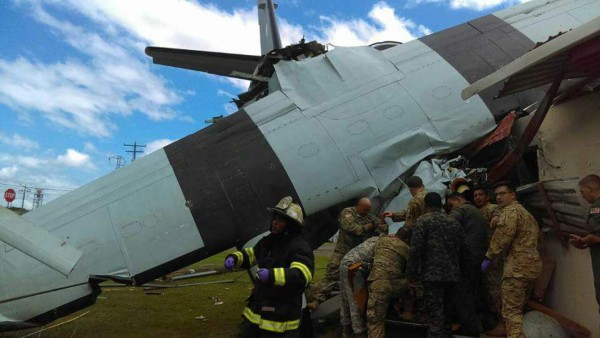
[(269, 33), (238, 66)]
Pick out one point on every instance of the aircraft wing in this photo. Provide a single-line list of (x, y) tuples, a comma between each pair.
[(37, 242), (209, 62)]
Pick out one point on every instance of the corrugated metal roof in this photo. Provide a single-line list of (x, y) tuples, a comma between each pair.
[(574, 54)]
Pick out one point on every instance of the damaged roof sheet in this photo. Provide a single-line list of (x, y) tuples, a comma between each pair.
[(574, 54)]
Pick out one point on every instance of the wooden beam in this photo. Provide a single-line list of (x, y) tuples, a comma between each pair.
[(511, 158)]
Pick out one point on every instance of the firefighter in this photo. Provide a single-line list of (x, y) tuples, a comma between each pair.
[(286, 266)]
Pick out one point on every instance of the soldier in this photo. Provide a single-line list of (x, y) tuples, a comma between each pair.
[(388, 281), (482, 201), (470, 289), (286, 264), (493, 276), (589, 187), (435, 252), (416, 206), (356, 225), (516, 234), (351, 317)]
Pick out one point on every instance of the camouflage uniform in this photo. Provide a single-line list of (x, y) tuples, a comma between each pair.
[(435, 254), (415, 208), (493, 276), (469, 294), (594, 226), (517, 234), (489, 211), (349, 312), (353, 231), (387, 281)]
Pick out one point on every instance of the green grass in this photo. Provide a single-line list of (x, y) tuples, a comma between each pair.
[(129, 312)]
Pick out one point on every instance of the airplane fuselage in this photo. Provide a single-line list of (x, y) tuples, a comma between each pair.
[(334, 127)]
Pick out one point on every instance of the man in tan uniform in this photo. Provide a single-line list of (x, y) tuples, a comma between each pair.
[(351, 316), (356, 225), (481, 199), (416, 206), (493, 276), (516, 234), (387, 280)]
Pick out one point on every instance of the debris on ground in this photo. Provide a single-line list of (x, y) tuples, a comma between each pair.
[(154, 293), (194, 275), (216, 300), (38, 332)]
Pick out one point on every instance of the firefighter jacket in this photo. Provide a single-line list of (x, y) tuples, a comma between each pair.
[(277, 305)]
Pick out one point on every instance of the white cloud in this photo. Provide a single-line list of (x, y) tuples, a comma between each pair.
[(30, 161), (75, 159), (478, 5), (240, 84), (177, 24), (85, 96), (117, 78), (383, 24), (90, 147), (55, 174), (156, 144), (8, 172), (22, 161), (18, 141)]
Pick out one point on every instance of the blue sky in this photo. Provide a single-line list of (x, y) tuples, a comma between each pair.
[(75, 83)]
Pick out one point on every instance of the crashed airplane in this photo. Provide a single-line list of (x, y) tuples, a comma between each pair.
[(323, 126)]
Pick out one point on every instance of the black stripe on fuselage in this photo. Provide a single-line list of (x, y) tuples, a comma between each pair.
[(480, 47), (229, 174)]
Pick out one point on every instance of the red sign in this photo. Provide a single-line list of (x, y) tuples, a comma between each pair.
[(9, 195)]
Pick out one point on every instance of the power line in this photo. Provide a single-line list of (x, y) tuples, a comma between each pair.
[(33, 185), (134, 152), (25, 190)]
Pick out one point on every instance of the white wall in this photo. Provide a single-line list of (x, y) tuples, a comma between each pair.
[(569, 141)]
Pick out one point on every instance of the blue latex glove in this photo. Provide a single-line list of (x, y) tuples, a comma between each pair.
[(485, 265), (263, 275), (229, 263)]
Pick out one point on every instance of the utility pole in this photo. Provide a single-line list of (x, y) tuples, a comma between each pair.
[(120, 161), (38, 198), (134, 151), (25, 190)]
